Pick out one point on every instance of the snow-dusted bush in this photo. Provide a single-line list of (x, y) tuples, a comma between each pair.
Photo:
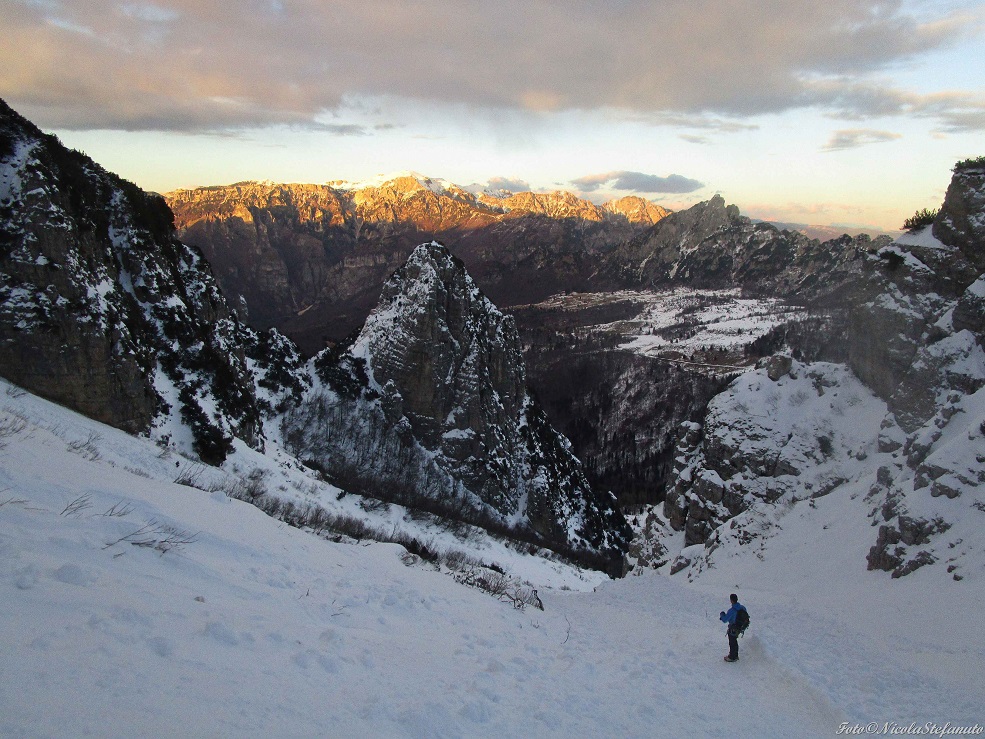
[(920, 219)]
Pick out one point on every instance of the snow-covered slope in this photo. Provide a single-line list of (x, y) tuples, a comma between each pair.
[(769, 440), (772, 443), (133, 606)]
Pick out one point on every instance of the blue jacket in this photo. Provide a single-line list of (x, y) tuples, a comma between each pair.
[(729, 618)]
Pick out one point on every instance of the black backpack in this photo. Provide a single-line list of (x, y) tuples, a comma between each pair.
[(741, 621)]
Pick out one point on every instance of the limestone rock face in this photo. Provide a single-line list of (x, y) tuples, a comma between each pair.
[(435, 384), (653, 257), (897, 324), (710, 245), (766, 439), (637, 210), (58, 330), (961, 221), (103, 310), (455, 361), (969, 313), (778, 366), (558, 205)]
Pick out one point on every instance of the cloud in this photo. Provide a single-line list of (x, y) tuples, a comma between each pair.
[(344, 129), (852, 138), (637, 182), (508, 183), (496, 184), (185, 65), (852, 100), (149, 12), (703, 122)]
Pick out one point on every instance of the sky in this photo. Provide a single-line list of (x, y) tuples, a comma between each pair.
[(839, 112)]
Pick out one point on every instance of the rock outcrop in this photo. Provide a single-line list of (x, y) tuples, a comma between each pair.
[(433, 387), (637, 209), (103, 310), (767, 439), (961, 220), (711, 245)]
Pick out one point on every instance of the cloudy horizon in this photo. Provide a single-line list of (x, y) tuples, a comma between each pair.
[(839, 109)]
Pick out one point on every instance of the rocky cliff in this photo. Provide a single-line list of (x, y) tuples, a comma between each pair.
[(960, 223), (103, 310), (311, 259), (899, 421), (620, 410), (428, 406)]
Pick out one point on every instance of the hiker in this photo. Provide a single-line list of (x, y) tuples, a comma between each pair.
[(736, 625)]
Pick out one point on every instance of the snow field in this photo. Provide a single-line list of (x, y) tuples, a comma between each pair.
[(886, 650), (252, 628)]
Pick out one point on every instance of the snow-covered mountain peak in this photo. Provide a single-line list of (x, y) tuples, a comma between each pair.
[(432, 298), (443, 369)]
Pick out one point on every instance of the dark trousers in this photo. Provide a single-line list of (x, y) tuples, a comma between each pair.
[(733, 643)]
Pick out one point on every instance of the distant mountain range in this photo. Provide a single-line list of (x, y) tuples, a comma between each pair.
[(311, 259)]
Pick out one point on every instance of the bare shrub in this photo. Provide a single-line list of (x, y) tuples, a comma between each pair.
[(500, 586), (190, 475), (425, 550), (160, 537), (11, 500), (118, 510), (455, 560), (77, 506), (10, 426), (250, 488), (86, 448), (372, 505), (352, 527)]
